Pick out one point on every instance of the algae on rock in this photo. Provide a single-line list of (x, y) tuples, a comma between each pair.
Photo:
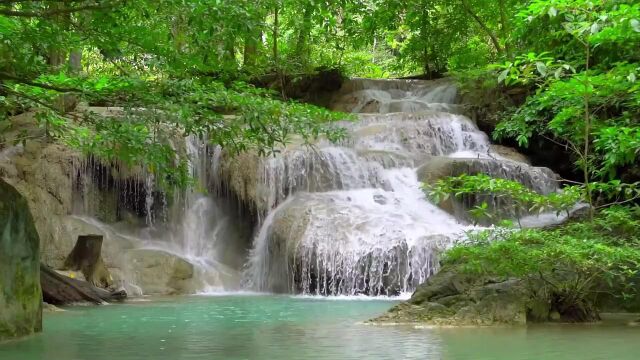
[(20, 293)]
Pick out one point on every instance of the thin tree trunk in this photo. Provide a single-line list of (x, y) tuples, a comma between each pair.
[(504, 27), (424, 34), (587, 128), (483, 26), (276, 24), (230, 52), (250, 50), (303, 35)]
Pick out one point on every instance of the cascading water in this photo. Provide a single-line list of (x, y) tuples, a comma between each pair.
[(352, 219), (334, 219)]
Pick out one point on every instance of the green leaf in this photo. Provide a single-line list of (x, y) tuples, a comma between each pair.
[(542, 68)]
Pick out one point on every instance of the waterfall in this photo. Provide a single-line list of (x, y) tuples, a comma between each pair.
[(351, 219), (192, 226), (330, 219)]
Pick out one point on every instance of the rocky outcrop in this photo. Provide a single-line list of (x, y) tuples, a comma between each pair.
[(354, 243), (42, 172), (20, 293), (541, 180), (57, 182), (157, 272), (454, 299)]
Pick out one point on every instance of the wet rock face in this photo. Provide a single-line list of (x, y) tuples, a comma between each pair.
[(452, 299), (20, 294), (351, 218)]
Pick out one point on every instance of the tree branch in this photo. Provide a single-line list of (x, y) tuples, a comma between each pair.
[(5, 76), (47, 13), (35, 100), (483, 26)]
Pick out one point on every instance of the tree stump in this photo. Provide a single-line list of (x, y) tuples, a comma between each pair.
[(86, 257), (61, 290)]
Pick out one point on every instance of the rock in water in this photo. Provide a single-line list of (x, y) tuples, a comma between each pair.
[(158, 272), (20, 294), (453, 299)]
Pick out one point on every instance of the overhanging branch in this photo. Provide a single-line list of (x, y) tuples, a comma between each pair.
[(5, 76)]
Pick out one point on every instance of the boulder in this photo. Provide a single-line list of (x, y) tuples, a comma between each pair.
[(20, 293), (158, 272), (454, 299), (509, 153)]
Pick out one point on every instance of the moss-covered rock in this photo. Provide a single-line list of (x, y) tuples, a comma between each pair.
[(20, 294), (455, 299)]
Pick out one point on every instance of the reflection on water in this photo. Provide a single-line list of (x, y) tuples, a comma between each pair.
[(279, 327)]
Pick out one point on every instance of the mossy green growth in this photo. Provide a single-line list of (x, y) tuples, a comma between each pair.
[(20, 293)]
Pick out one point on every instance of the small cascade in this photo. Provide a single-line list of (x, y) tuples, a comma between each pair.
[(351, 219), (202, 227), (132, 213)]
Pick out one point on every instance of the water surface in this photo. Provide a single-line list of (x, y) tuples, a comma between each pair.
[(281, 327)]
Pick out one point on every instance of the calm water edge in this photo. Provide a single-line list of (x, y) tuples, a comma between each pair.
[(281, 327)]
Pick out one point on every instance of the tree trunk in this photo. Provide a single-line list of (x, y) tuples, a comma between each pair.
[(250, 51), (301, 45), (483, 26), (229, 56), (61, 290), (276, 24), (504, 27), (86, 257)]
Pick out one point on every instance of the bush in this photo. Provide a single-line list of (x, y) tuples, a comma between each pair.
[(564, 270)]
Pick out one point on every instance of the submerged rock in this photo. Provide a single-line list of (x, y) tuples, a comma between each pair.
[(453, 299), (50, 308), (20, 293)]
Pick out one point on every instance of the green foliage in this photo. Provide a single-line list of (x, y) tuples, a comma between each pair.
[(590, 102), (565, 268), (171, 66), (518, 199)]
